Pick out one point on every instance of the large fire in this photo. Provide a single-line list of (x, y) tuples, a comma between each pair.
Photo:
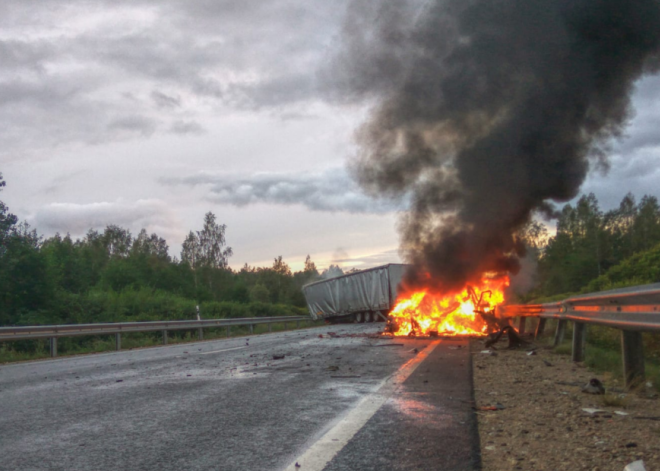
[(427, 313)]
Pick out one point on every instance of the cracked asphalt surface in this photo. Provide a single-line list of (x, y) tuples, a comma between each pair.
[(227, 405)]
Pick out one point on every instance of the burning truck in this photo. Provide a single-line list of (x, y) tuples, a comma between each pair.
[(379, 294)]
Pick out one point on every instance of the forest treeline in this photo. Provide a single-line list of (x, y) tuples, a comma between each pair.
[(594, 250), (113, 276)]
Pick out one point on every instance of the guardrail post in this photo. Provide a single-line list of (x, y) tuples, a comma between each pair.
[(200, 333), (579, 341), (164, 337), (117, 341), (540, 328), (297, 324), (560, 332), (632, 349), (285, 326), (228, 331), (270, 327), (53, 347), (522, 322), (251, 329)]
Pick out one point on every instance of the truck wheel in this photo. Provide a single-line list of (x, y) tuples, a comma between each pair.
[(359, 318), (367, 317)]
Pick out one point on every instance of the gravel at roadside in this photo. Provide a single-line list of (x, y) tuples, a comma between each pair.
[(542, 425)]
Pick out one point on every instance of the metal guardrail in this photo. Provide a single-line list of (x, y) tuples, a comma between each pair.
[(53, 332), (632, 310)]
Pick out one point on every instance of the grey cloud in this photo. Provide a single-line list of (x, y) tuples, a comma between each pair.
[(64, 83), (275, 91), (163, 100), (186, 127), (19, 54), (134, 124), (332, 190), (77, 219)]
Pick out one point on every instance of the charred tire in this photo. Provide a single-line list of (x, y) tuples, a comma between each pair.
[(367, 317), (359, 318)]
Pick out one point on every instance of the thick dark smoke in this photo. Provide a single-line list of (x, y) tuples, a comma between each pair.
[(486, 110)]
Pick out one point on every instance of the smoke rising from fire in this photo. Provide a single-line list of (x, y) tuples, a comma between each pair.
[(483, 111)]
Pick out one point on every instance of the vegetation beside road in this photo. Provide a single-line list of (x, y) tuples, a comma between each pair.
[(114, 276), (597, 251)]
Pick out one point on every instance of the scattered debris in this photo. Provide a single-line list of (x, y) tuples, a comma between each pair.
[(620, 412), (489, 353), (388, 345), (333, 368), (646, 418), (455, 347), (635, 466), (546, 363), (515, 341), (320, 336), (531, 352), (278, 357), (297, 465), (497, 406), (592, 411), (594, 386), (119, 381), (631, 445)]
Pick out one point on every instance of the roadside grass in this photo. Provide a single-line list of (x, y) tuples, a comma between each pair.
[(27, 350), (603, 353)]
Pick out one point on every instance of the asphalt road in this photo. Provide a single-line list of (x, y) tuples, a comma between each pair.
[(332, 403)]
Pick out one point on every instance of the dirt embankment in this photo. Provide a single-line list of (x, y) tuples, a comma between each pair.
[(542, 425)]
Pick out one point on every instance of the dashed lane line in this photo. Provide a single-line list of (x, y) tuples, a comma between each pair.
[(319, 454)]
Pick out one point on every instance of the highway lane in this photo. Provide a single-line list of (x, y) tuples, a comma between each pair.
[(228, 405)]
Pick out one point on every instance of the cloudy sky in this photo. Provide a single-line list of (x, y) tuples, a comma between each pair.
[(150, 113)]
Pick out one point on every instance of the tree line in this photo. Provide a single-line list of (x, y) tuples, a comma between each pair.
[(590, 243), (113, 275)]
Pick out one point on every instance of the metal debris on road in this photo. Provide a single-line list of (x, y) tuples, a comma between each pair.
[(497, 406), (278, 357)]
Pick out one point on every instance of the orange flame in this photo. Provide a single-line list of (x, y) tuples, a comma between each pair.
[(426, 313)]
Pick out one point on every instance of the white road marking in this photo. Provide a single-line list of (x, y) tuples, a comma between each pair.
[(317, 456), (225, 350)]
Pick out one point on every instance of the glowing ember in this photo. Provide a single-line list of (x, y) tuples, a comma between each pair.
[(427, 313)]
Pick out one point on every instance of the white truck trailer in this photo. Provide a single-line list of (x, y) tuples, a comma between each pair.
[(364, 296)]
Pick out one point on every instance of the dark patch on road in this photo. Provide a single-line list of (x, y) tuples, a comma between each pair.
[(428, 424)]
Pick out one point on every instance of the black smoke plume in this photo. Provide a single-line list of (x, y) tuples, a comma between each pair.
[(486, 110)]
